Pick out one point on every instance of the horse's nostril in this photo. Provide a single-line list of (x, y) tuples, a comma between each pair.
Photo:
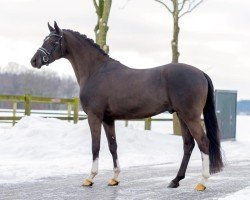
[(33, 61)]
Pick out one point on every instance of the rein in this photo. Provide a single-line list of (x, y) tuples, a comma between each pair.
[(48, 54)]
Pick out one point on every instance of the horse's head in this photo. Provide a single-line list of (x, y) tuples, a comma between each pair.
[(53, 48)]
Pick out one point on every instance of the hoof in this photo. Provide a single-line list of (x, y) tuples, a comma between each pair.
[(87, 182), (173, 185), (113, 182), (200, 187)]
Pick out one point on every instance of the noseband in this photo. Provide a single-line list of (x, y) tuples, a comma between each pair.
[(48, 54)]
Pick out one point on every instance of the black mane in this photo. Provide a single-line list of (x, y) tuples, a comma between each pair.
[(90, 41)]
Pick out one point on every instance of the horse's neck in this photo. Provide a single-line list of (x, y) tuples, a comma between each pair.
[(85, 61)]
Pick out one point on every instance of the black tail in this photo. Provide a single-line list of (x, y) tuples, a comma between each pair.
[(212, 129)]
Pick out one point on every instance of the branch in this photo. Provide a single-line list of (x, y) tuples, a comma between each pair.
[(125, 4), (190, 9), (183, 4), (165, 5), (106, 11), (96, 6)]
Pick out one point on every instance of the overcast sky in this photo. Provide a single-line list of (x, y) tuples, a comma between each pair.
[(215, 37)]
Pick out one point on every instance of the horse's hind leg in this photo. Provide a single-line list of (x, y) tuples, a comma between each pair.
[(188, 145), (109, 128), (202, 140)]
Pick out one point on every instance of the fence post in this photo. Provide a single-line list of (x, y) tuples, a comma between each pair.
[(27, 104), (126, 123), (69, 111), (75, 105), (14, 112), (148, 123)]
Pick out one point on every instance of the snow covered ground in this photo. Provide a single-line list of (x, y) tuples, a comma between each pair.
[(37, 147), (240, 195)]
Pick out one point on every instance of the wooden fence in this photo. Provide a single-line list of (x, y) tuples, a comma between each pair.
[(28, 100), (72, 105)]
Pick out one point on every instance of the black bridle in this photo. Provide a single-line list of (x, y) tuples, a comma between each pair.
[(48, 54)]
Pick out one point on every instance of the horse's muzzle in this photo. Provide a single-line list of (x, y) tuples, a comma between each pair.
[(36, 61)]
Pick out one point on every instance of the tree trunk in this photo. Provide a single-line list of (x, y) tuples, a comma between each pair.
[(101, 29), (175, 57), (174, 42), (176, 125)]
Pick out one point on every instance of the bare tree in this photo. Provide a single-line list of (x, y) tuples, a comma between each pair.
[(178, 8), (103, 8)]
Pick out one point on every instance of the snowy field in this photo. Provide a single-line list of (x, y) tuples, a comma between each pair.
[(37, 147)]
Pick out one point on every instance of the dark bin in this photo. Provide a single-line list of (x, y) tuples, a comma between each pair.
[(226, 105)]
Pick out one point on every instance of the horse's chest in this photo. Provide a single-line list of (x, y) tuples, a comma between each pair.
[(92, 101)]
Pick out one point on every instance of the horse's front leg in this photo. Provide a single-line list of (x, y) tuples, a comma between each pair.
[(109, 128), (95, 128)]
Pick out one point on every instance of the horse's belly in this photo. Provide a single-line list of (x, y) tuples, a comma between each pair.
[(132, 109)]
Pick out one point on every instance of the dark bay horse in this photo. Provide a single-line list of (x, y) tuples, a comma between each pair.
[(109, 90)]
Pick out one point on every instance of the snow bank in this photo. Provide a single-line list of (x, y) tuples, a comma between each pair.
[(37, 147), (242, 195)]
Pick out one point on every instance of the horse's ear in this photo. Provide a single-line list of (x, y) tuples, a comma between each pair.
[(50, 27), (58, 30)]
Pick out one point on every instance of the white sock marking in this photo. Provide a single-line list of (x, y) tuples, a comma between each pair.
[(94, 169), (205, 168), (95, 166), (116, 170)]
